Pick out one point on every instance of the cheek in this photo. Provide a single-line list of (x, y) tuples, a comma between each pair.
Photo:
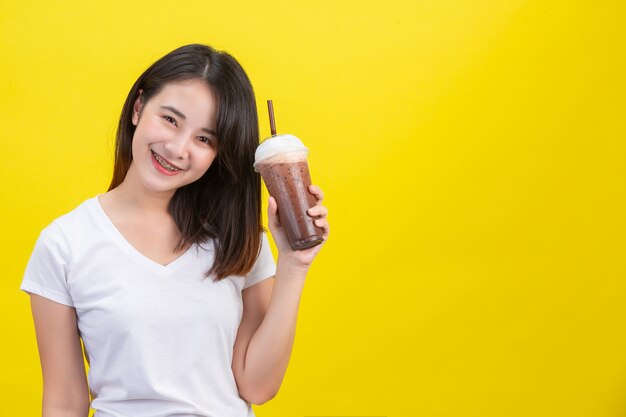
[(206, 161), (144, 135), (150, 131)]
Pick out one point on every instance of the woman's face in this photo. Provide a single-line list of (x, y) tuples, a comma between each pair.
[(174, 142)]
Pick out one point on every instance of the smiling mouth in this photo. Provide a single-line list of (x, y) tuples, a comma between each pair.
[(164, 163)]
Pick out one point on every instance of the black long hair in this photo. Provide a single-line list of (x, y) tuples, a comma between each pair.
[(225, 203)]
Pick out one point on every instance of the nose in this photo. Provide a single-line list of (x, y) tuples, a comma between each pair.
[(177, 147)]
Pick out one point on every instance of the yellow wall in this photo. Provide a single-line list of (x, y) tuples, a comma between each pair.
[(473, 156)]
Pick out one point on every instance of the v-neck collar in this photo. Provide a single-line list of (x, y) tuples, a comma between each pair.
[(128, 247)]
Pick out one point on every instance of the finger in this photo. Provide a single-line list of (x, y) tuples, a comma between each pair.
[(318, 211), (317, 192), (272, 212), (323, 224)]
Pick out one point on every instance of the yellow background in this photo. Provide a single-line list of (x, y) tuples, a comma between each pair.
[(473, 158)]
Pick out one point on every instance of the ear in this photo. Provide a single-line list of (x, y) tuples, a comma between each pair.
[(137, 107)]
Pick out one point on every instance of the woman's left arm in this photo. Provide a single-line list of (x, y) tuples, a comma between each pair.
[(270, 309)]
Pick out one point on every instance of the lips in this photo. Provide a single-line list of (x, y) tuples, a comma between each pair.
[(165, 163)]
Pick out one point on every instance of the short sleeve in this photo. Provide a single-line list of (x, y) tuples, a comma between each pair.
[(264, 267), (46, 271)]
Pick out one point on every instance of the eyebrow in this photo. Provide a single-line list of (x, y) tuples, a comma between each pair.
[(182, 116)]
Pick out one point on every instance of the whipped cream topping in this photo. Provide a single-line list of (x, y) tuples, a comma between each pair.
[(280, 148)]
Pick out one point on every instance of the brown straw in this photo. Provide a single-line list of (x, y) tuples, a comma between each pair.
[(270, 109)]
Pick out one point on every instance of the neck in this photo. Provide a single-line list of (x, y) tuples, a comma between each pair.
[(134, 196)]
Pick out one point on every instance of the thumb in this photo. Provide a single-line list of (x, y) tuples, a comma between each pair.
[(272, 213)]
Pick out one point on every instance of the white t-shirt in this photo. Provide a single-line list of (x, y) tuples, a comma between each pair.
[(159, 339)]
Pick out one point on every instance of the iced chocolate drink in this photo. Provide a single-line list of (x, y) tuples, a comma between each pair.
[(282, 162)]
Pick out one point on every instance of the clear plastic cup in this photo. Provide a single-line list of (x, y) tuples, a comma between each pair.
[(282, 162)]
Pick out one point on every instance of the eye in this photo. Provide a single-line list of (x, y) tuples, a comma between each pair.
[(170, 120), (206, 140)]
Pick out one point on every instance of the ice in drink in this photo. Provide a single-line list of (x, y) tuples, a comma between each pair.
[(282, 162)]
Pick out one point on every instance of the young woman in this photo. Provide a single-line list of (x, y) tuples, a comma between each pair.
[(168, 279)]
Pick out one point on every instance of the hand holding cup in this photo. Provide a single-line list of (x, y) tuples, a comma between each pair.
[(319, 215)]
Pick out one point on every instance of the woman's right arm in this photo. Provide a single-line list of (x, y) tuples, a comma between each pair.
[(65, 391)]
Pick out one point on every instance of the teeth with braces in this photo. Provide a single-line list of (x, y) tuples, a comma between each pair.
[(164, 164)]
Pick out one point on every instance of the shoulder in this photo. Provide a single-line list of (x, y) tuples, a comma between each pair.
[(48, 268), (78, 217), (71, 226)]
